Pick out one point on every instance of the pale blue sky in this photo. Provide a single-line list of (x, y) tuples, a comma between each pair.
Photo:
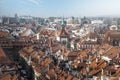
[(46, 8)]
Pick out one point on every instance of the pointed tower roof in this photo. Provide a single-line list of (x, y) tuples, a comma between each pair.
[(63, 23), (63, 31)]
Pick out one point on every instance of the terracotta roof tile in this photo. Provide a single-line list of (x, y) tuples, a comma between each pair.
[(51, 73), (61, 78), (3, 34), (84, 53), (63, 32), (8, 77), (92, 35), (75, 78), (117, 73), (5, 77), (69, 77)]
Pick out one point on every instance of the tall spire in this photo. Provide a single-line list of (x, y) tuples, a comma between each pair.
[(63, 23)]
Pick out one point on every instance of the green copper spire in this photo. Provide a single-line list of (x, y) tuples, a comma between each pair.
[(63, 23)]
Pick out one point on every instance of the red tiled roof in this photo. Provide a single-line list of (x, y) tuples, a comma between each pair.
[(112, 35), (51, 74), (6, 77), (69, 77), (75, 78), (15, 77), (43, 65), (117, 73), (112, 53), (61, 78), (63, 32), (99, 67), (92, 35), (84, 53), (48, 32), (3, 34)]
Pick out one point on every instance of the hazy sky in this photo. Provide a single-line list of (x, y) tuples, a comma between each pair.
[(46, 8)]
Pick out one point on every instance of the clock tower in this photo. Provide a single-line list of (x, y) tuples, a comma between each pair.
[(64, 36)]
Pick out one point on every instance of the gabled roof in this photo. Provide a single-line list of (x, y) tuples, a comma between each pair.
[(3, 33), (48, 32), (63, 32), (112, 35), (28, 32), (6, 77), (92, 35)]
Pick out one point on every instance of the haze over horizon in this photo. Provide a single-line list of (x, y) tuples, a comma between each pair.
[(46, 8)]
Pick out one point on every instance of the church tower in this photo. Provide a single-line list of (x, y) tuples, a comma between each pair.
[(64, 36)]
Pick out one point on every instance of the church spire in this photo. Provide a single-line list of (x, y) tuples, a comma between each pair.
[(63, 23)]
